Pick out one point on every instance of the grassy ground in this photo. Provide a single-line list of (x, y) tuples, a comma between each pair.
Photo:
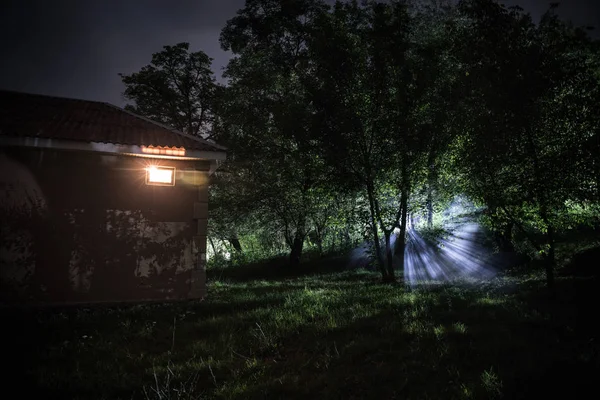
[(332, 334)]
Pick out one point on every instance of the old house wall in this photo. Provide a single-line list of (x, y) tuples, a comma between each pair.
[(85, 227)]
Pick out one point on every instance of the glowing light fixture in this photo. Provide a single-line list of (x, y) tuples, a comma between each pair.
[(165, 151), (161, 176)]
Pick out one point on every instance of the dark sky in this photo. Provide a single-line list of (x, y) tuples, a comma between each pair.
[(75, 48)]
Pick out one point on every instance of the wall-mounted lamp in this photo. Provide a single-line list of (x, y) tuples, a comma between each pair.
[(160, 176)]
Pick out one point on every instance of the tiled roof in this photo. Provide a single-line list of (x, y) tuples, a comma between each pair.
[(37, 116)]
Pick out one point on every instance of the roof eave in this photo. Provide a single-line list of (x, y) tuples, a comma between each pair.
[(105, 148), (175, 131)]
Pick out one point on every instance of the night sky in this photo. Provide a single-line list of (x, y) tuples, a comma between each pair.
[(76, 48)]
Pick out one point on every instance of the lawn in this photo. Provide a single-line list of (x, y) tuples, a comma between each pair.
[(326, 333)]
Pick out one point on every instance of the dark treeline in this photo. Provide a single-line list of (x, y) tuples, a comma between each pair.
[(343, 122)]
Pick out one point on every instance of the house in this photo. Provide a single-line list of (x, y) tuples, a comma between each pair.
[(98, 204)]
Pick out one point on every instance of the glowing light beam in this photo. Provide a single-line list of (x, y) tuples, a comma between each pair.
[(462, 255)]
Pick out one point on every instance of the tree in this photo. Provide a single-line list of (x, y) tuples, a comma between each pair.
[(438, 68), (521, 144), (177, 88), (264, 117), (375, 98)]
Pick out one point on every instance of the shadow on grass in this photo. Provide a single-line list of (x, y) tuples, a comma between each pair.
[(326, 335), (449, 343), (584, 263), (278, 269)]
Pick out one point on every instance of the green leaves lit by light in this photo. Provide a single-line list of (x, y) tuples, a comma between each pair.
[(459, 327)]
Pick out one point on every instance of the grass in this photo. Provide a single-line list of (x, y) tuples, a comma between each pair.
[(325, 333)]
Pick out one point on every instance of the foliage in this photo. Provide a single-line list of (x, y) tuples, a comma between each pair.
[(265, 120), (374, 93), (522, 147), (177, 88), (347, 122)]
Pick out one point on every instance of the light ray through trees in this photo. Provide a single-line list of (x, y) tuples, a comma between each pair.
[(462, 254)]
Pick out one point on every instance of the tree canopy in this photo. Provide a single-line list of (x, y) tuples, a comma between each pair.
[(345, 122), (177, 88)]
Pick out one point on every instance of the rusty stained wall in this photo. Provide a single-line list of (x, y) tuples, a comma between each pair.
[(83, 227)]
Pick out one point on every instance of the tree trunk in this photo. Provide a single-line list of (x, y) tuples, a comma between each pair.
[(550, 264), (506, 238), (380, 263), (298, 242), (319, 239), (551, 261), (402, 236), (541, 195), (429, 207), (212, 244), (389, 255), (296, 252), (431, 179), (235, 242)]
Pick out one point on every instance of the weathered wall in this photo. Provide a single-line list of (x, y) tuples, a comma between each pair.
[(83, 227)]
